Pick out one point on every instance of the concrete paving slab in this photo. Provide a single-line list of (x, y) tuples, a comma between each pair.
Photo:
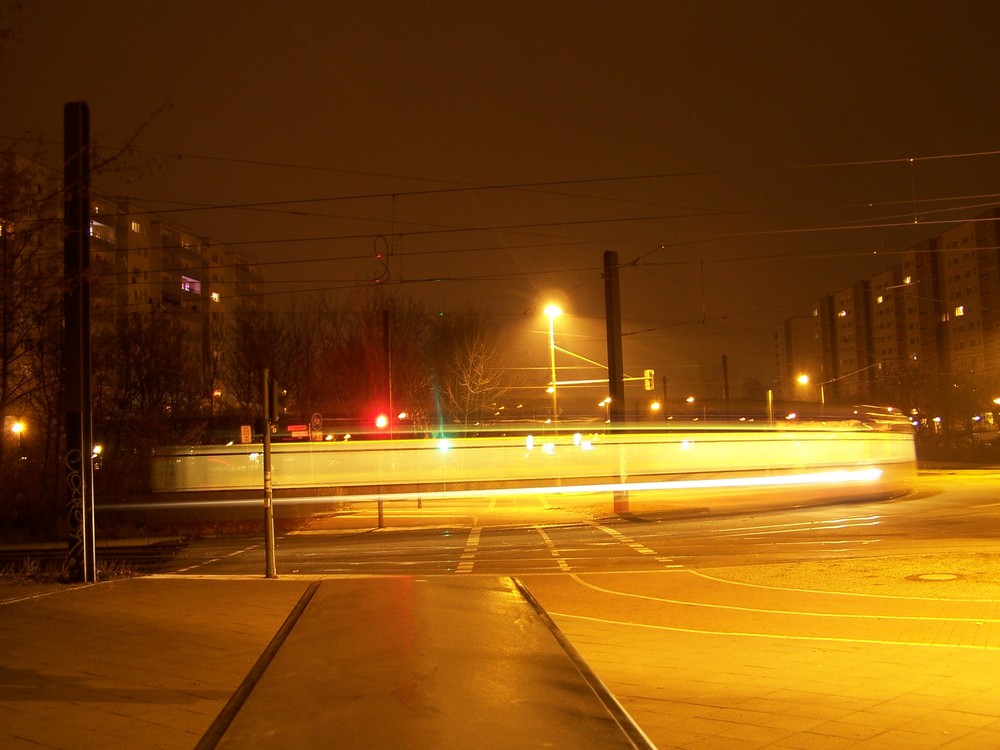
[(422, 663), (136, 663)]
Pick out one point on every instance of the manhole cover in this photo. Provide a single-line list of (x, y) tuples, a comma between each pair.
[(934, 577)]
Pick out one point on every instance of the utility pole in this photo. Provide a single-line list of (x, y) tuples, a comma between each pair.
[(613, 318), (78, 415), (616, 366)]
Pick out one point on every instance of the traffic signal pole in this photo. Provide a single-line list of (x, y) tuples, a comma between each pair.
[(269, 567)]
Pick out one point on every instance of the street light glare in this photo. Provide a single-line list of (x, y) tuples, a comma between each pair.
[(802, 379), (17, 428), (553, 311)]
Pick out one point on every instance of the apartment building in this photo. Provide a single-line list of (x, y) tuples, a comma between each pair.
[(141, 262), (936, 312)]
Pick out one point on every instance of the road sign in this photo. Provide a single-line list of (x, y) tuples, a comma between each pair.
[(246, 433)]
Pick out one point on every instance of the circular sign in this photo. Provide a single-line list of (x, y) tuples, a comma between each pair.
[(316, 422)]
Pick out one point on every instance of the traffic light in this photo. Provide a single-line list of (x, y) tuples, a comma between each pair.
[(275, 401), (382, 421), (647, 380)]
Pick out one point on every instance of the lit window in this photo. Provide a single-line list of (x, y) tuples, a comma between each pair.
[(216, 297), (908, 280), (880, 299), (136, 227), (842, 314), (960, 311), (190, 285)]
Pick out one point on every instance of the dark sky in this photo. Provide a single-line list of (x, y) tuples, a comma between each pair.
[(743, 158)]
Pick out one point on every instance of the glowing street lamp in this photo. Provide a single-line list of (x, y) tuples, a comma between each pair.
[(18, 429), (803, 379), (553, 312)]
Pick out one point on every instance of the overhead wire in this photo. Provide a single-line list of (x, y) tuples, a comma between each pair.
[(889, 222)]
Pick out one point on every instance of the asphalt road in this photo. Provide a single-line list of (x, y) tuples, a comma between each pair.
[(866, 624), (944, 512), (850, 625)]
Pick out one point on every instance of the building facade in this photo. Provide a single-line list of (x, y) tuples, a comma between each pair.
[(935, 315), (142, 262)]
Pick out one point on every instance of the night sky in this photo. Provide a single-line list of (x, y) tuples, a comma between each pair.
[(742, 158)]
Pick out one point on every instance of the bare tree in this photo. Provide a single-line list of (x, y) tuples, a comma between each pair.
[(473, 382), (376, 358), (146, 392), (255, 340), (470, 359), (313, 328), (30, 310)]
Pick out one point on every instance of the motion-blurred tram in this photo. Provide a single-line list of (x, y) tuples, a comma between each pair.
[(844, 458)]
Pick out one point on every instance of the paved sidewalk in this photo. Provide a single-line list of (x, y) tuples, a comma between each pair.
[(137, 663), (438, 663), (876, 653)]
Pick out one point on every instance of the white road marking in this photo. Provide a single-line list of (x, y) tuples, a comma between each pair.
[(469, 553)]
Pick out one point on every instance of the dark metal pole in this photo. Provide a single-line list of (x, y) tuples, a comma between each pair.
[(391, 414), (79, 461), (613, 318), (269, 568), (616, 367)]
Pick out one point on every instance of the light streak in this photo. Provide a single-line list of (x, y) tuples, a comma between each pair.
[(835, 477)]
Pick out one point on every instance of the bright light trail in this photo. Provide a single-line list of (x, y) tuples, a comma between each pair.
[(836, 477)]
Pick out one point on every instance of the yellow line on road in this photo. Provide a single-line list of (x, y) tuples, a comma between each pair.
[(775, 636), (801, 613)]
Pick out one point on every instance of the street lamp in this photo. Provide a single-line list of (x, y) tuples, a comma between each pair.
[(553, 312), (803, 379), (606, 403), (18, 429)]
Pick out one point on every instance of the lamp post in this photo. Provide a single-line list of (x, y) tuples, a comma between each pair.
[(803, 379), (553, 312), (606, 403), (18, 429)]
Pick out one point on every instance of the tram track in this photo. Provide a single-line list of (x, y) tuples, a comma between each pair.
[(137, 558)]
